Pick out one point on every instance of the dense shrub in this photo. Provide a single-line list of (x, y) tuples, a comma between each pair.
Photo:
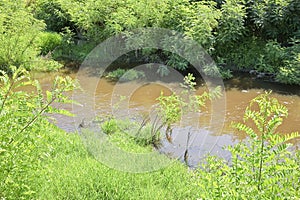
[(100, 20), (271, 58), (49, 41), (231, 29), (275, 20), (52, 14), (244, 56), (240, 34), (290, 72), (19, 32), (25, 131), (125, 75), (262, 167)]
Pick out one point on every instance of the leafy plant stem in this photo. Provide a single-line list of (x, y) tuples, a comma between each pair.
[(37, 115), (6, 95), (262, 149), (33, 119)]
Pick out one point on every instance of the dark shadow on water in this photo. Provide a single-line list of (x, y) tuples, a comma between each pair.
[(246, 81)]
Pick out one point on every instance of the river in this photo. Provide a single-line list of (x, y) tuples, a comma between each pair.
[(239, 91)]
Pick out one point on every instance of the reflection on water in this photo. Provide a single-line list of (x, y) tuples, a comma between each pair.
[(107, 98), (200, 144)]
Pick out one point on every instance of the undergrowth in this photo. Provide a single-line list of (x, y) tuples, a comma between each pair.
[(40, 161)]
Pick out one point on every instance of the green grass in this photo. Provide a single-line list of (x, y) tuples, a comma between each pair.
[(72, 173), (128, 143), (40, 161)]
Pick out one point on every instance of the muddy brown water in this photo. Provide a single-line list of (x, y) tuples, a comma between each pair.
[(141, 98)]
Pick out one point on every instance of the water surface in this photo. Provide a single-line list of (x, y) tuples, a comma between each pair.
[(107, 99)]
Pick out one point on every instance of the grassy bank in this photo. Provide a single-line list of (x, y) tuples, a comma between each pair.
[(40, 161), (74, 174)]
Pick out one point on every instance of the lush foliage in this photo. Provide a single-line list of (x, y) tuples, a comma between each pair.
[(238, 34), (172, 108), (52, 14), (262, 167), (19, 32), (39, 161), (22, 39), (49, 42), (290, 72), (24, 130), (125, 75), (260, 35), (229, 30)]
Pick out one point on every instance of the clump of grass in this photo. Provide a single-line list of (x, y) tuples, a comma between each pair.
[(125, 75), (143, 134)]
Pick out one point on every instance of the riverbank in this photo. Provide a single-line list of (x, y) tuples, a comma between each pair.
[(40, 161)]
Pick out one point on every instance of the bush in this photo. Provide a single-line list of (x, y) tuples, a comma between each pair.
[(69, 51), (51, 12), (125, 75), (231, 28), (262, 167), (110, 126), (198, 21), (244, 34), (274, 20), (290, 73), (19, 32), (272, 58), (245, 55), (25, 131), (49, 41), (46, 65)]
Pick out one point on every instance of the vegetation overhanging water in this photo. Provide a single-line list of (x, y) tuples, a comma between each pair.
[(40, 161)]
